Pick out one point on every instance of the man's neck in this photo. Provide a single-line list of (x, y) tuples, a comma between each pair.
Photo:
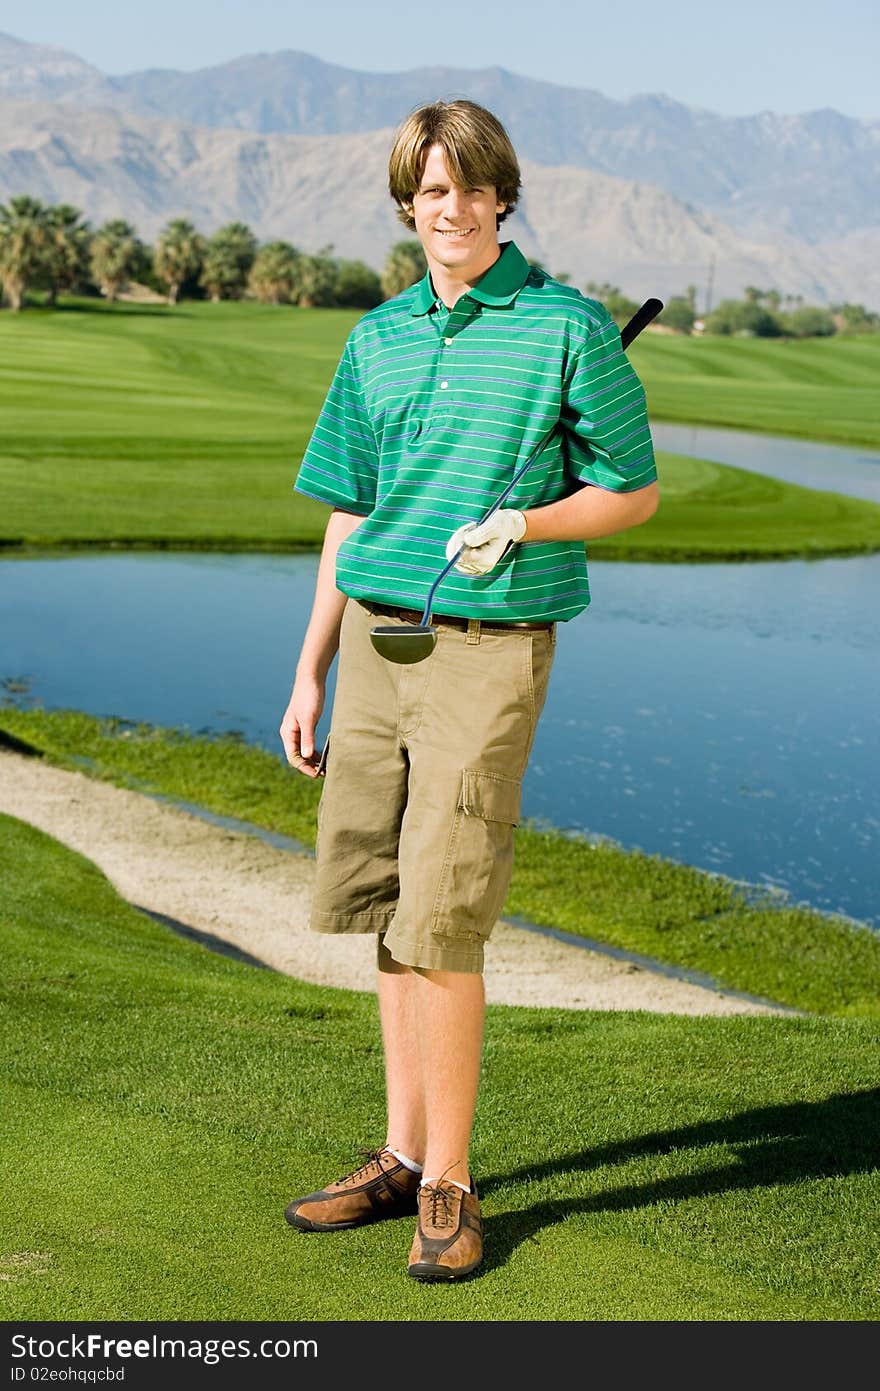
[(450, 287)]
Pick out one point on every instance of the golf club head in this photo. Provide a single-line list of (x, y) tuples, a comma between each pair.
[(404, 643)]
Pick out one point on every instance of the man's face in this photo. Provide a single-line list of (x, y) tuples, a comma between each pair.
[(456, 226)]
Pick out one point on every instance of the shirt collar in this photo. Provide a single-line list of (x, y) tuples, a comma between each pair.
[(500, 285)]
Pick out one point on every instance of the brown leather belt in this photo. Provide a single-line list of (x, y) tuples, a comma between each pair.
[(447, 620)]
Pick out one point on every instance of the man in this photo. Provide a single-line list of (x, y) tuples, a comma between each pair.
[(440, 394)]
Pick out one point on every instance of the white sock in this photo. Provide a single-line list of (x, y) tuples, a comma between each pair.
[(465, 1187), (406, 1161)]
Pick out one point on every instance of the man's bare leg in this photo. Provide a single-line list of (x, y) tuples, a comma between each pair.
[(403, 1070), (450, 1006), (432, 1032)]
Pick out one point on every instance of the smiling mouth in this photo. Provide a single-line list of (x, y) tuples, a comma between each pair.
[(454, 234)]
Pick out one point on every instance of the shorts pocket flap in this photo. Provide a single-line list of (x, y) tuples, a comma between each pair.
[(491, 797)]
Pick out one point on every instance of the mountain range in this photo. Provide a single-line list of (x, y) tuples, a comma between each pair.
[(647, 193)]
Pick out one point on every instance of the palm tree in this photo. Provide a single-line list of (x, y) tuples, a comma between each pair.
[(228, 258), (222, 275), (316, 280), (116, 256), (405, 265), (67, 253), (275, 273), (179, 254), (23, 239)]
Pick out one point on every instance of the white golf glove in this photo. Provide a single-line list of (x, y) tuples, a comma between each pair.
[(487, 542)]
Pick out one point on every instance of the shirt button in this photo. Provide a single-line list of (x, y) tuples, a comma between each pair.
[(448, 342), (443, 386)]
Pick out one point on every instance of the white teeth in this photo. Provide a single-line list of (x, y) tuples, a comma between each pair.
[(454, 234)]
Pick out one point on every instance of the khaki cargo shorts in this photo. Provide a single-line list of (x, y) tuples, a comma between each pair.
[(423, 788)]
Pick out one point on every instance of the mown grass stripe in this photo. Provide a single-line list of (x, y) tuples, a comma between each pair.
[(139, 467)]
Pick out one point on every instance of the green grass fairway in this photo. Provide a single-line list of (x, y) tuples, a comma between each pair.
[(161, 426), (716, 512), (819, 388), (644, 903), (161, 1105), (184, 427)]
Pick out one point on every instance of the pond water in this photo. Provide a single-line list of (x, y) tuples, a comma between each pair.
[(721, 715), (828, 467)]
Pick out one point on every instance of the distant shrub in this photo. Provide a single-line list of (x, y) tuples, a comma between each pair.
[(678, 314), (734, 316), (855, 318), (809, 322), (357, 285), (619, 306)]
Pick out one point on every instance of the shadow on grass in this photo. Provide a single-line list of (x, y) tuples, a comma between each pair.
[(775, 1145), (204, 939), (117, 307), (15, 745)]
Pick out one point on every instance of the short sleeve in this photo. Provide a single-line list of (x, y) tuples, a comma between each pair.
[(605, 416), (341, 462)]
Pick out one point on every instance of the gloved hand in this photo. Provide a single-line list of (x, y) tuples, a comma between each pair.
[(487, 542)]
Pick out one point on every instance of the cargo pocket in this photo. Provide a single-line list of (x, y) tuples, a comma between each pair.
[(479, 857)]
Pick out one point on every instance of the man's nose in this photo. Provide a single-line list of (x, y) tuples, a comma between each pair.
[(456, 203)]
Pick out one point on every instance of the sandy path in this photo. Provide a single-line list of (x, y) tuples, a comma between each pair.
[(255, 896)]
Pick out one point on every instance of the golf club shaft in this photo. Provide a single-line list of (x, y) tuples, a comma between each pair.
[(640, 320), (492, 510), (642, 317)]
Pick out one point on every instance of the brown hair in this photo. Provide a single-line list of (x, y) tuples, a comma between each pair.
[(477, 149)]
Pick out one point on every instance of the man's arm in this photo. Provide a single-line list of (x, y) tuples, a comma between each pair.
[(319, 647), (608, 444), (609, 452), (591, 512)]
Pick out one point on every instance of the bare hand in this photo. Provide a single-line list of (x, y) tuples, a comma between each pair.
[(298, 725)]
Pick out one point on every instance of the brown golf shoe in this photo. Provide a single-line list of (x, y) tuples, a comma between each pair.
[(380, 1187), (449, 1238)]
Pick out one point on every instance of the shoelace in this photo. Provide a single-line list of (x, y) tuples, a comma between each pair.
[(372, 1160), (441, 1206)]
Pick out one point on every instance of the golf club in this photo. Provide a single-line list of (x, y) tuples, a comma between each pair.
[(407, 643)]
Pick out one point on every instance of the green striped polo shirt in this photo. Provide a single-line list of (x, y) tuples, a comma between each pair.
[(432, 410)]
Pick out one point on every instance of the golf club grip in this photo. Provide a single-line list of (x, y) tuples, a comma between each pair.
[(640, 319)]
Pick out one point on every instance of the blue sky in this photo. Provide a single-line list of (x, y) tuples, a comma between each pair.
[(754, 55)]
